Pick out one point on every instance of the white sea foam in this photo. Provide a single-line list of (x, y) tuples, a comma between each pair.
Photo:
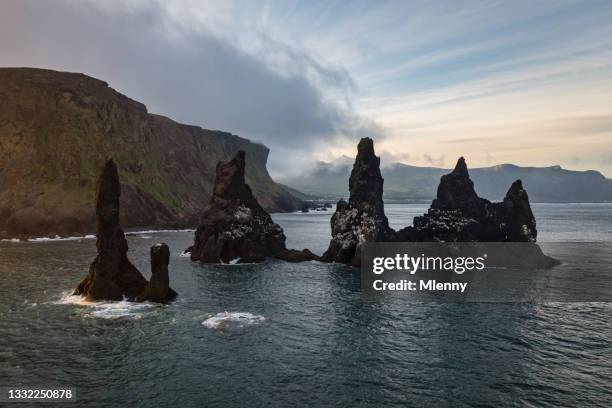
[(92, 236), (158, 231), (225, 320), (58, 238), (107, 309)]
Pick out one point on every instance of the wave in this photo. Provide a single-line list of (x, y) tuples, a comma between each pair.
[(158, 231), (226, 320), (107, 309), (92, 236)]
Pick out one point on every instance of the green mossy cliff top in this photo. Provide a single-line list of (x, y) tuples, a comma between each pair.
[(58, 128)]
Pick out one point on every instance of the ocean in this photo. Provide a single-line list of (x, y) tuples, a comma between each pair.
[(279, 334)]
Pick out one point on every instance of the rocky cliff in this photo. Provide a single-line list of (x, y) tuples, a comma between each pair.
[(57, 129)]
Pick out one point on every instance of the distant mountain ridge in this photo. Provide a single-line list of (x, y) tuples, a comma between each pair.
[(406, 183), (58, 128)]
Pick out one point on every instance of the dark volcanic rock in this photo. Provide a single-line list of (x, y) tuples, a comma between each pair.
[(519, 222), (234, 226), (458, 214), (363, 218), (158, 289), (111, 275), (456, 192), (293, 255)]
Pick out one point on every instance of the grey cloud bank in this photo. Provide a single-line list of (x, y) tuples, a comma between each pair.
[(182, 72)]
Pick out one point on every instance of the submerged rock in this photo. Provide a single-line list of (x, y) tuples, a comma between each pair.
[(458, 214), (158, 289), (234, 227), (111, 275), (362, 219)]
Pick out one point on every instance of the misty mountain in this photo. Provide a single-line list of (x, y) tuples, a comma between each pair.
[(405, 183)]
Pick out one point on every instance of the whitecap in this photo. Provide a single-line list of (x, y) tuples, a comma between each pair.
[(58, 238), (107, 309), (225, 320)]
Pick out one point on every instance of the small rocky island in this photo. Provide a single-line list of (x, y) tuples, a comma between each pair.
[(457, 214), (235, 228), (111, 275)]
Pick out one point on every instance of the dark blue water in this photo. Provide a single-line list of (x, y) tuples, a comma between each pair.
[(306, 337)]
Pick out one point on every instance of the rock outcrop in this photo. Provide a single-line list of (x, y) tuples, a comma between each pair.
[(158, 289), (58, 128), (111, 275), (459, 214), (234, 227), (362, 219)]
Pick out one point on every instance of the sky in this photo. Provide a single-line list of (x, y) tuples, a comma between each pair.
[(523, 82)]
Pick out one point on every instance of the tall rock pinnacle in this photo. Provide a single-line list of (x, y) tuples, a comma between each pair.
[(363, 218), (111, 275)]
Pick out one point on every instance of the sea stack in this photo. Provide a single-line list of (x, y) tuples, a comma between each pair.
[(111, 275), (158, 289), (362, 219), (234, 227), (458, 214)]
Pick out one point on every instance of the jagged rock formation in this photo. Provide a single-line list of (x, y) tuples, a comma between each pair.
[(234, 227), (56, 131), (363, 218), (458, 214), (111, 275), (158, 289)]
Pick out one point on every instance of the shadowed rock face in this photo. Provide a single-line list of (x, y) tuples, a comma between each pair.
[(158, 289), (458, 214), (519, 222), (111, 275), (363, 218), (234, 226), (456, 192)]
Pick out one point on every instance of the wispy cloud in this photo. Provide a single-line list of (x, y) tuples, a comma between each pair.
[(528, 82)]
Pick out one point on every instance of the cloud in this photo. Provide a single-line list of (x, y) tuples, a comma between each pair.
[(186, 72), (434, 161)]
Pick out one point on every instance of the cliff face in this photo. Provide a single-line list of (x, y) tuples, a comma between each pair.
[(57, 129)]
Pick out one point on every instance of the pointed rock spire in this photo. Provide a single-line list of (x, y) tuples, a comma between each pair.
[(234, 227), (456, 191), (363, 218), (461, 168), (366, 182), (230, 182), (520, 222), (111, 275)]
